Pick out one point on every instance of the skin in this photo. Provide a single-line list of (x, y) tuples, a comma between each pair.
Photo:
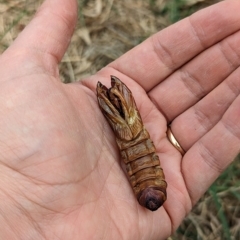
[(60, 171)]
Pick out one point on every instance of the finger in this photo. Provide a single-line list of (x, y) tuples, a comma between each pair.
[(48, 34), (198, 77), (193, 124), (152, 61), (207, 158)]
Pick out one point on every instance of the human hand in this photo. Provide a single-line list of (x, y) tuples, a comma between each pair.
[(60, 169)]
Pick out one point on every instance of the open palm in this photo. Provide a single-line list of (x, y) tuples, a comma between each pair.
[(61, 175)]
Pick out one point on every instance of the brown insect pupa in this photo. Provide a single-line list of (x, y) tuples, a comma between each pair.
[(137, 150)]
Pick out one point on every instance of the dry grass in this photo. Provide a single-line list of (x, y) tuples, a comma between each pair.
[(106, 29)]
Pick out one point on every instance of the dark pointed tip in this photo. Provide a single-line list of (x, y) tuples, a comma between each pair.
[(115, 80), (99, 84), (101, 88), (152, 199)]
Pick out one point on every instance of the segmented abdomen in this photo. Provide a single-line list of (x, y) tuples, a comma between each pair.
[(143, 167)]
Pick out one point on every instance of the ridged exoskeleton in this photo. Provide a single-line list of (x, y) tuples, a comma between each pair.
[(137, 150)]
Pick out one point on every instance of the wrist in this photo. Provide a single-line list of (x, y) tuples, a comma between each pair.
[(16, 220)]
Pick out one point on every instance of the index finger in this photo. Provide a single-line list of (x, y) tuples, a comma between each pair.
[(156, 58), (46, 37)]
